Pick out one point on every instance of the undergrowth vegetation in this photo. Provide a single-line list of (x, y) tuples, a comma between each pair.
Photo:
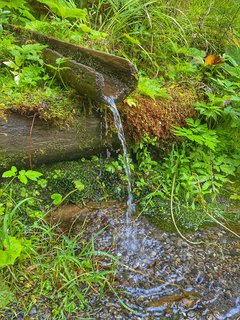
[(187, 55), (60, 269)]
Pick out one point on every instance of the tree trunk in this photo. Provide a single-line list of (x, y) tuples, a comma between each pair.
[(85, 137)]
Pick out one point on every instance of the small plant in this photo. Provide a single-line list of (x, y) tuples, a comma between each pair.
[(198, 133), (66, 9), (6, 295), (4, 16), (57, 197), (152, 88), (19, 9), (57, 69), (27, 66), (144, 159), (12, 242)]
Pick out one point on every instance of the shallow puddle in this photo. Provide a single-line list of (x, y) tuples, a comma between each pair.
[(160, 276)]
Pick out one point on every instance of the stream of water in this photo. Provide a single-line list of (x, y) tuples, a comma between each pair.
[(127, 235), (118, 124)]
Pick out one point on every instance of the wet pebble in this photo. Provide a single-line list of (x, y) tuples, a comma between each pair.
[(33, 311), (191, 315)]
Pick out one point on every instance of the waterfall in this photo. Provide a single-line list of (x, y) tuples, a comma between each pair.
[(118, 124)]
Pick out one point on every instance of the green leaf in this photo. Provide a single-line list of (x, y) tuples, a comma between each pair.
[(33, 175), (42, 183), (10, 173), (22, 177), (57, 197), (78, 185), (206, 185), (11, 251), (84, 28), (65, 9), (18, 61), (6, 295), (62, 60), (151, 88), (228, 169), (235, 197), (2, 209), (11, 64), (131, 39)]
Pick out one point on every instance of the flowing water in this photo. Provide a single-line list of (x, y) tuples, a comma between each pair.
[(127, 235), (118, 124)]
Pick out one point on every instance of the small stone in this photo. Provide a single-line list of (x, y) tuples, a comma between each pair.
[(177, 262), (33, 311), (228, 294), (191, 314), (140, 299), (153, 254)]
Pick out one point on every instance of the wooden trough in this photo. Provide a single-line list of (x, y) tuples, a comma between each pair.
[(91, 73)]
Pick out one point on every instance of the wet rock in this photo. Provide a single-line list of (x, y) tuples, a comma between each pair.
[(191, 315), (33, 311)]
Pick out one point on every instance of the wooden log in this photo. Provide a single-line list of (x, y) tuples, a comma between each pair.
[(48, 143), (91, 72)]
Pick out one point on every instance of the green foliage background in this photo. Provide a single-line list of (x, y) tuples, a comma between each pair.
[(167, 41)]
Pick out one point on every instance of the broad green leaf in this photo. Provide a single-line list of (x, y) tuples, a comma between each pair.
[(65, 10), (22, 177), (84, 27), (11, 251), (6, 295), (10, 173), (33, 175), (57, 198), (78, 185)]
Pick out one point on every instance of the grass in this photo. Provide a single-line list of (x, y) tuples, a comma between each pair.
[(61, 275), (56, 270)]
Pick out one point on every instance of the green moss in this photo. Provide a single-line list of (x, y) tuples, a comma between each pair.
[(6, 161), (98, 184), (223, 209), (55, 105)]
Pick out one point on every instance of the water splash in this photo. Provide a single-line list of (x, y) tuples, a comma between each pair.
[(118, 124)]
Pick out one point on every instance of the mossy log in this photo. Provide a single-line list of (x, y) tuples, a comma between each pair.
[(92, 73), (48, 143)]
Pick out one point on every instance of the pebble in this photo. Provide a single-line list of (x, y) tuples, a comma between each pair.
[(33, 311), (191, 315)]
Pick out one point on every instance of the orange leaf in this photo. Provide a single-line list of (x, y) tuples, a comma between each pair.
[(213, 60)]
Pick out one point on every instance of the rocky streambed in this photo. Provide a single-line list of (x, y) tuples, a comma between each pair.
[(160, 276)]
